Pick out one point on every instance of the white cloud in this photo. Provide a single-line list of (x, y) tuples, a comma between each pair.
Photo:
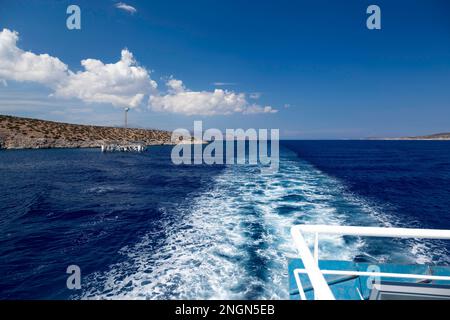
[(218, 102), (255, 95), (121, 84), (220, 84), (126, 7), (255, 109), (19, 65)]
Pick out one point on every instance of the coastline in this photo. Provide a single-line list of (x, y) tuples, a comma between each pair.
[(432, 137), (408, 139), (24, 133), (38, 146)]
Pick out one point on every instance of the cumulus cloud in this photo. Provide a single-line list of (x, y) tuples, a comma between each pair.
[(19, 65), (126, 7), (218, 102), (123, 83)]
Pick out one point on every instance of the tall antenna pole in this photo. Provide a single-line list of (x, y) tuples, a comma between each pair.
[(126, 117)]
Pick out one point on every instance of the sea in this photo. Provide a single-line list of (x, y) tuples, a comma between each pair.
[(140, 227)]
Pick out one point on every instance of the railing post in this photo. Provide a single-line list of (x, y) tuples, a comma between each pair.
[(316, 248), (321, 289)]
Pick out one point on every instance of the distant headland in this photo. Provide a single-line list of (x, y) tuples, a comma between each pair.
[(25, 133), (436, 136)]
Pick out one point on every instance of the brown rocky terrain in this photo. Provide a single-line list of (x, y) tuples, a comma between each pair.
[(24, 133), (437, 136)]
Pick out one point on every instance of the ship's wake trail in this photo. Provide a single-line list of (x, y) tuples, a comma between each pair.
[(232, 241)]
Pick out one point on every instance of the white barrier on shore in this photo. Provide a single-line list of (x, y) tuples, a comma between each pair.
[(133, 147)]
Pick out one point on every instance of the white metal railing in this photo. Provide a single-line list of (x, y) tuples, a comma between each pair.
[(310, 261)]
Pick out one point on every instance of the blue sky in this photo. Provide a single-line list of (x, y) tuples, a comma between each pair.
[(314, 62)]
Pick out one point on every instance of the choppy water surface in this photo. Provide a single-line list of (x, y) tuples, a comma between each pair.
[(140, 227)]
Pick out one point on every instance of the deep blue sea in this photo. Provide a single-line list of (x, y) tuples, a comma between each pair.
[(140, 227)]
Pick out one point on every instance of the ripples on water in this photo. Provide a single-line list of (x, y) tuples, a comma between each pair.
[(140, 227)]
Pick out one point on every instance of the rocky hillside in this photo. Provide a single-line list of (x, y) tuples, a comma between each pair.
[(437, 136), (24, 133)]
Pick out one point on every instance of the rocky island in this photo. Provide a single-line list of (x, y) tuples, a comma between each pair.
[(436, 136), (25, 133)]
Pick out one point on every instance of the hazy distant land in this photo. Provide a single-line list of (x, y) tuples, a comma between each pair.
[(24, 133), (436, 136)]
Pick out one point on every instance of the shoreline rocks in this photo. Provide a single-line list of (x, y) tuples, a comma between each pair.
[(24, 133)]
